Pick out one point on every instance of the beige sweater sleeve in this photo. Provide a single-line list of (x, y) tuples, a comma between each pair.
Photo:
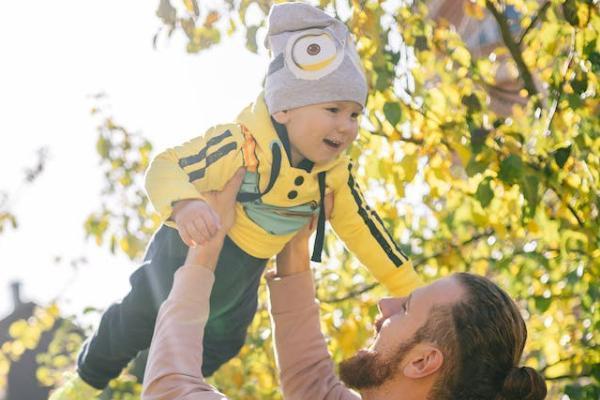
[(305, 365), (174, 370)]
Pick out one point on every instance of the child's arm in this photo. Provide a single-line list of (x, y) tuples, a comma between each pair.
[(177, 176), (363, 232)]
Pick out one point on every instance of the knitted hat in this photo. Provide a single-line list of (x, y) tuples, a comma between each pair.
[(314, 59)]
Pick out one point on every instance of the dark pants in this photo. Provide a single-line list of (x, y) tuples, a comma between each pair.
[(126, 328)]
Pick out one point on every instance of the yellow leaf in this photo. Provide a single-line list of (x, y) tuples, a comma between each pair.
[(474, 10), (462, 55), (410, 166), (463, 152), (437, 100), (17, 328)]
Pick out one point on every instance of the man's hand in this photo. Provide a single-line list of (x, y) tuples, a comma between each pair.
[(196, 221), (223, 204)]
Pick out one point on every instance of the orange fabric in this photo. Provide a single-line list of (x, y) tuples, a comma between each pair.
[(248, 150)]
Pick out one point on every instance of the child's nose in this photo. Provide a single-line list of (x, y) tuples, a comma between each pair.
[(345, 126)]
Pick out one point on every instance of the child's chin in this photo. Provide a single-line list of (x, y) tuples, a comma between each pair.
[(325, 159)]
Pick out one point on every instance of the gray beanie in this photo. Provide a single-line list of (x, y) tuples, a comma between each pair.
[(313, 59)]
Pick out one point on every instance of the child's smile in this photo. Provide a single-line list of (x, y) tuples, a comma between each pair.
[(320, 132)]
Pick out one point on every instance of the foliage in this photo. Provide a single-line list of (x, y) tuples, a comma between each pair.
[(125, 218), (7, 218), (515, 196)]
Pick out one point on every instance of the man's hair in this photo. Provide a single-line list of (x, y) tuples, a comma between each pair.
[(482, 338)]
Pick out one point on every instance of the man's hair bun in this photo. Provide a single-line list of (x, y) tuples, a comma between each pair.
[(523, 383)]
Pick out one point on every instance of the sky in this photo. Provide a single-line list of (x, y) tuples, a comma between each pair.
[(54, 56)]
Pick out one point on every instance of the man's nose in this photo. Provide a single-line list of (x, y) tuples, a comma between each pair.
[(389, 306)]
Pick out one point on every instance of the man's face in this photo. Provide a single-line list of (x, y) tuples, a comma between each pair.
[(399, 320), (321, 132)]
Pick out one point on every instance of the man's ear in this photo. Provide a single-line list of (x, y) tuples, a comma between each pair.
[(423, 361), (282, 117)]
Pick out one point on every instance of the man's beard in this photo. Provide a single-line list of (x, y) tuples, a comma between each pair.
[(369, 369)]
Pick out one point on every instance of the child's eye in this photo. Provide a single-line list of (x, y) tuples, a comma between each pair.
[(405, 308), (354, 115), (333, 109)]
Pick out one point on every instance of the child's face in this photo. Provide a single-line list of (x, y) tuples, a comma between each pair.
[(320, 132)]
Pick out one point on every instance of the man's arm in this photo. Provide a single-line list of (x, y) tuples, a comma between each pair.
[(305, 365), (174, 370)]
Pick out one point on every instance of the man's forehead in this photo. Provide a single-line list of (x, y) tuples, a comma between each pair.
[(441, 292)]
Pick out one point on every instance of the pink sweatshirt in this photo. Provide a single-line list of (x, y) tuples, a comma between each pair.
[(175, 360)]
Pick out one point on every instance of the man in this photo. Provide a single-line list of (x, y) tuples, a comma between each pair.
[(460, 337)]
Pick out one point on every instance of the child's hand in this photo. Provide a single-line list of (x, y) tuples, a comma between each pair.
[(196, 221), (223, 204)]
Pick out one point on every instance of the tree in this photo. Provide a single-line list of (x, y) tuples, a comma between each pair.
[(514, 197)]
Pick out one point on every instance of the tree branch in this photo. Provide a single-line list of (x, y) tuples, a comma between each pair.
[(513, 48), (417, 263), (399, 139), (540, 14), (560, 377), (499, 89), (351, 294), (562, 360), (556, 101), (420, 261)]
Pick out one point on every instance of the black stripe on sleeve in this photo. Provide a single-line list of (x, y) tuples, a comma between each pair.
[(213, 157), (184, 162), (379, 234)]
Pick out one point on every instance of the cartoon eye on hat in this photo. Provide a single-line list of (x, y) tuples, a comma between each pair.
[(313, 54)]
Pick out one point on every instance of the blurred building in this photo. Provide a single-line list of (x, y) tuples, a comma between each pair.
[(22, 383), (482, 36)]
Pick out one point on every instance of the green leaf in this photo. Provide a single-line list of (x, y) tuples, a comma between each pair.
[(166, 12), (569, 8), (511, 169), (542, 304), (595, 60), (103, 147), (580, 83), (478, 136), (472, 103), (484, 192), (421, 43), (530, 188), (475, 167), (392, 112), (251, 39), (384, 79), (562, 155)]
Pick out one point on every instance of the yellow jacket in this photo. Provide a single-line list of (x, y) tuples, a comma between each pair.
[(209, 161)]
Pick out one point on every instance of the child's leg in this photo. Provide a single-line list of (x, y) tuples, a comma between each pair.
[(233, 304), (127, 327)]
